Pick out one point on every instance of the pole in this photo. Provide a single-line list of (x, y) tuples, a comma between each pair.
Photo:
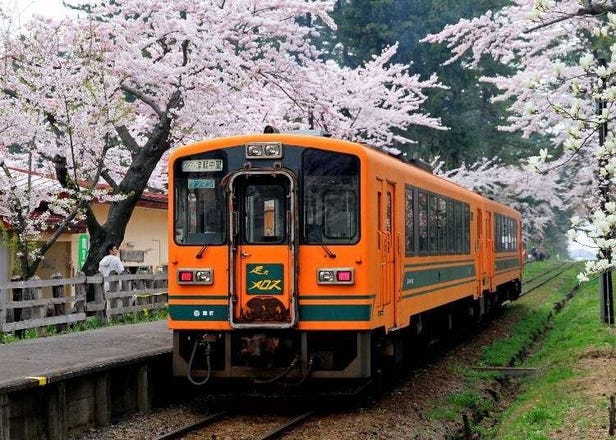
[(607, 298), (605, 287)]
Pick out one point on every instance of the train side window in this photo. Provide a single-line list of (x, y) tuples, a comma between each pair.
[(433, 228), (506, 234), (441, 224), (451, 227), (459, 221), (410, 221), (436, 225), (466, 231), (422, 221)]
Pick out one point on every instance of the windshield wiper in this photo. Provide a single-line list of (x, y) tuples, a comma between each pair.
[(330, 254), (202, 251)]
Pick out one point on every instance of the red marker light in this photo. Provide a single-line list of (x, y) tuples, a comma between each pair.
[(185, 276), (344, 275)]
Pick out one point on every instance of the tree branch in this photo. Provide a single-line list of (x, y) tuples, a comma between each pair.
[(127, 139), (9, 92), (141, 96), (185, 52), (59, 231), (105, 175), (590, 9), (62, 174)]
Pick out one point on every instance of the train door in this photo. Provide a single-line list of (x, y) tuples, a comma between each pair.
[(479, 249), (262, 275), (488, 251), (386, 256), (484, 248)]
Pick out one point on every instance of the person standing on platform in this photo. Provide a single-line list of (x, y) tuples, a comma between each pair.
[(110, 263)]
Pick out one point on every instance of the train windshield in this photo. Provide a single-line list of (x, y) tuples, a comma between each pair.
[(199, 199), (330, 197), (265, 211)]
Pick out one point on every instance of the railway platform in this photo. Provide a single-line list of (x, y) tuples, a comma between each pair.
[(60, 386)]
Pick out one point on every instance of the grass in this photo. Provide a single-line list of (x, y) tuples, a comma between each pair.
[(536, 268), (531, 317), (562, 400), (532, 314)]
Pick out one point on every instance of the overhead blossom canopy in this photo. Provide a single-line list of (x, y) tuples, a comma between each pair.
[(562, 59), (104, 96)]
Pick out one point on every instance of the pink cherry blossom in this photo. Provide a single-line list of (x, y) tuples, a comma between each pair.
[(111, 92), (560, 89)]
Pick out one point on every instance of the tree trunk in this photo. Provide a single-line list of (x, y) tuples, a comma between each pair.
[(132, 186)]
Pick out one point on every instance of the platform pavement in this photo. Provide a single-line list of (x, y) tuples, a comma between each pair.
[(38, 361)]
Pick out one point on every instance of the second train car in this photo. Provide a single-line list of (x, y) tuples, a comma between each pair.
[(296, 256)]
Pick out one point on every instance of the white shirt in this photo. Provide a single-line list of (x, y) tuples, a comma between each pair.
[(110, 263)]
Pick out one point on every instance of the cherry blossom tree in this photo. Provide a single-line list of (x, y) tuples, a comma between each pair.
[(537, 196), (104, 96), (562, 57)]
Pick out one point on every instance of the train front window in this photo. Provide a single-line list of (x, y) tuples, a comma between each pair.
[(265, 213), (330, 197), (199, 209)]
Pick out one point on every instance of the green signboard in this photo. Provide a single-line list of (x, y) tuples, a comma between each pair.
[(264, 279), (83, 244)]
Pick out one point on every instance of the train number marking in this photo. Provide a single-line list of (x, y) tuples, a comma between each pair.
[(197, 313)]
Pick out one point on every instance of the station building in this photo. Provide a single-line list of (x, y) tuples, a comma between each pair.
[(144, 246)]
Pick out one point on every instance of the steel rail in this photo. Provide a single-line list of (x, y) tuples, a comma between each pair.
[(180, 432), (551, 275), (543, 274), (276, 432)]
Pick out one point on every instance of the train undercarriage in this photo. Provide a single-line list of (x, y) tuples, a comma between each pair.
[(292, 357), (268, 356)]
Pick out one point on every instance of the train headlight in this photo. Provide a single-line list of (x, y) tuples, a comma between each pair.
[(196, 276), (273, 150), (204, 276), (336, 276), (253, 151), (264, 150), (326, 276)]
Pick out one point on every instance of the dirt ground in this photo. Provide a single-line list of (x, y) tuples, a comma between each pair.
[(597, 380)]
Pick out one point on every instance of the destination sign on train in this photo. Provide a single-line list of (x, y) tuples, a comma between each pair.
[(196, 165)]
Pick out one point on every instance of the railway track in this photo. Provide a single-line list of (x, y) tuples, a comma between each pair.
[(263, 427), (545, 277)]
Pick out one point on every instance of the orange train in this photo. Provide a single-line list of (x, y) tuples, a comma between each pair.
[(297, 256)]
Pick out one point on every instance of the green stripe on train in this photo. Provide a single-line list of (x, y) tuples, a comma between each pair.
[(307, 313), (507, 264), (335, 312), (428, 277), (201, 312)]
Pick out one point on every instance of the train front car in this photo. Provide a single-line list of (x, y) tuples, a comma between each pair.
[(268, 273)]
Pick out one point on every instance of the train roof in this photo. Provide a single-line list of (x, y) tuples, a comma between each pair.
[(317, 139)]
